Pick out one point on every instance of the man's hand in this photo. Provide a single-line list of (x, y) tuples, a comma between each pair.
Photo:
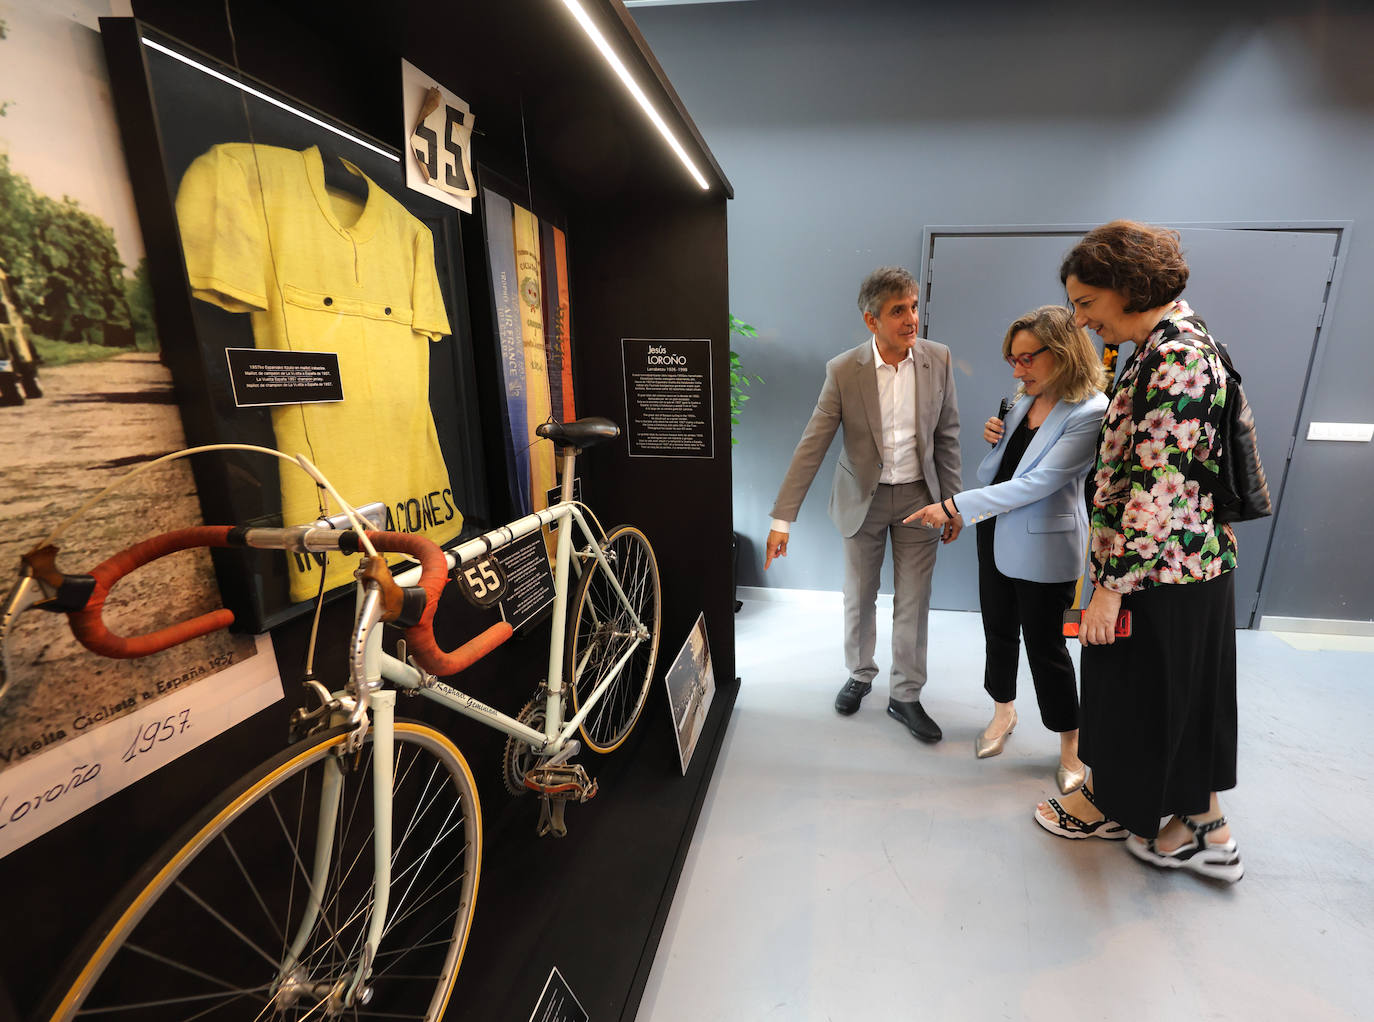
[(777, 547), (992, 430), (1098, 627)]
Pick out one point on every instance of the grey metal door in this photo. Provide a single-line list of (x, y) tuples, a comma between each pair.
[(1261, 292)]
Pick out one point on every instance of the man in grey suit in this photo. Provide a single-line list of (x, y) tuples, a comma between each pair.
[(893, 397)]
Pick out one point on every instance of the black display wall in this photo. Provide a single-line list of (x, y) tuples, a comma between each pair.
[(647, 252)]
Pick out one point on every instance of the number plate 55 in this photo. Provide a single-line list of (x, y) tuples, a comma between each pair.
[(482, 582)]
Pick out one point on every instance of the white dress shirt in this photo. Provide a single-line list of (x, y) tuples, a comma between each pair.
[(897, 445), (896, 395)]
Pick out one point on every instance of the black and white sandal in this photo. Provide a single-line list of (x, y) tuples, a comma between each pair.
[(1071, 826), (1219, 861)]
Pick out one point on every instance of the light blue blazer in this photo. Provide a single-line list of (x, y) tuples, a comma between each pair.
[(1042, 534)]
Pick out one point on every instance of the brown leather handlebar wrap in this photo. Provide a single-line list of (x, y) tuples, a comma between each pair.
[(433, 577), (88, 626)]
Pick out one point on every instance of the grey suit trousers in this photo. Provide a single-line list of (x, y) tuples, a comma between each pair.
[(913, 561)]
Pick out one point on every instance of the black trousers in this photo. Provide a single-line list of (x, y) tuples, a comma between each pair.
[(1159, 708), (1014, 608)]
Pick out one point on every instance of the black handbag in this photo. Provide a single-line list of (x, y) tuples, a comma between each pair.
[(1240, 492)]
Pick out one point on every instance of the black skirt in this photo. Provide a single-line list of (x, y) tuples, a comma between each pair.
[(1159, 708)]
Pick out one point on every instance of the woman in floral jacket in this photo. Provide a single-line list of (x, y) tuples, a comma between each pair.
[(1159, 706)]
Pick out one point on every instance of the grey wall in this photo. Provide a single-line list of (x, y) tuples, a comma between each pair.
[(846, 128)]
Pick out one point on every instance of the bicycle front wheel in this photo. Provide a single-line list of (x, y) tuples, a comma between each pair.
[(228, 924), (601, 632)]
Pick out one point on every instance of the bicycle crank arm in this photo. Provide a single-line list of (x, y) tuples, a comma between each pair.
[(551, 818)]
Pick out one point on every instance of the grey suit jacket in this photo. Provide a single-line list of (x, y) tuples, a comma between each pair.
[(849, 400)]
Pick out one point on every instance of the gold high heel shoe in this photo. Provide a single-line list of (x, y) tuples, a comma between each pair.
[(985, 747), (1068, 780)]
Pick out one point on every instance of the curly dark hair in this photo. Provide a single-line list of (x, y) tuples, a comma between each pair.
[(1142, 263)]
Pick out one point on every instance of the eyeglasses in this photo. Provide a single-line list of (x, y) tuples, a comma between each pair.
[(1024, 361)]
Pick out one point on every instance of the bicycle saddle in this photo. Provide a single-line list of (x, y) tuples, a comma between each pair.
[(580, 432)]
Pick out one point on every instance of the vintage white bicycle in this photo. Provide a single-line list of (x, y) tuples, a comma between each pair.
[(338, 880)]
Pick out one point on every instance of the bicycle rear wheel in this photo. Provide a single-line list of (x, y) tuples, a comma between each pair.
[(601, 630), (204, 931)]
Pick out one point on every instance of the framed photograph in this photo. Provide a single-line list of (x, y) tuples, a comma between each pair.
[(85, 400), (691, 687), (275, 229)]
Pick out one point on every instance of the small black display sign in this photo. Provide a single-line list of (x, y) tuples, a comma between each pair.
[(529, 582), (556, 494), (263, 376), (668, 398)]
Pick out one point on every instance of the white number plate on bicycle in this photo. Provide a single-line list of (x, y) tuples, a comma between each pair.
[(483, 582)]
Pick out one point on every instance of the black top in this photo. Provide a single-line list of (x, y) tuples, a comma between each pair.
[(1017, 443)]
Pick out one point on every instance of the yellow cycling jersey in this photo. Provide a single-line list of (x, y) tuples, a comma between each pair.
[(318, 271)]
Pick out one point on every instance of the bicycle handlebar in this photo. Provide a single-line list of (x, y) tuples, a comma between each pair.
[(433, 577), (89, 627)]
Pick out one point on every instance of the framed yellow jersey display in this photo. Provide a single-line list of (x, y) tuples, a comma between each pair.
[(321, 270), (310, 302)]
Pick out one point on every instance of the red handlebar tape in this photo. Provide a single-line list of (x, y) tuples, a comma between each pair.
[(433, 577), (89, 628)]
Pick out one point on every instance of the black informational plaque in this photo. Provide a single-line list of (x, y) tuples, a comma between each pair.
[(668, 398), (556, 494), (557, 1003), (529, 582), (263, 376)]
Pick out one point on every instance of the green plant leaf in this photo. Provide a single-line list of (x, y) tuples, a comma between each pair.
[(739, 379)]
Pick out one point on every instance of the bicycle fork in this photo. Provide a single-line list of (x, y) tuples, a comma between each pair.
[(338, 993)]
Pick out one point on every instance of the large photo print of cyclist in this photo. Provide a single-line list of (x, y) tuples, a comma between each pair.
[(307, 302), (84, 399)]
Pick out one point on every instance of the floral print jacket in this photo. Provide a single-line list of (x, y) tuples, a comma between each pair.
[(1150, 524)]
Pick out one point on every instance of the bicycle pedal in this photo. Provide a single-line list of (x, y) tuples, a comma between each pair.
[(561, 783)]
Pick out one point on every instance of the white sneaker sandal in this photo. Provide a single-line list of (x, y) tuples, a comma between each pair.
[(1219, 861), (1072, 827)]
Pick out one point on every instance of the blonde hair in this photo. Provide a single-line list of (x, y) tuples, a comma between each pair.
[(1078, 372)]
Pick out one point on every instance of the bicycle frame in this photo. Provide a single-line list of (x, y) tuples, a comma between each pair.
[(557, 733)]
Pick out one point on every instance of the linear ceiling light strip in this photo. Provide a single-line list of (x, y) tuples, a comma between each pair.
[(269, 99), (595, 35)]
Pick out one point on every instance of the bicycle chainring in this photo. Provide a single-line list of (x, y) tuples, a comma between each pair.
[(518, 758)]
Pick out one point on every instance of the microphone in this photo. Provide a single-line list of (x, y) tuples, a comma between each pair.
[(1003, 407)]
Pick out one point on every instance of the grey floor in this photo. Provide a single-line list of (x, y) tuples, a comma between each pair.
[(843, 871)]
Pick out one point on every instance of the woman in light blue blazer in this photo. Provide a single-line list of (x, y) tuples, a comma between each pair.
[(1033, 523)]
